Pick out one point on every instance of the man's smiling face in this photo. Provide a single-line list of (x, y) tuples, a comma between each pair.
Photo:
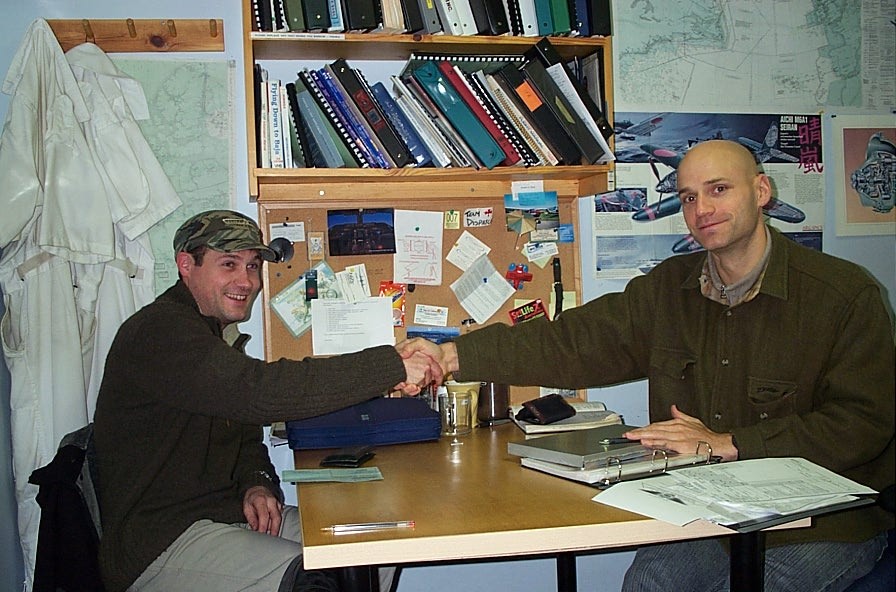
[(225, 285)]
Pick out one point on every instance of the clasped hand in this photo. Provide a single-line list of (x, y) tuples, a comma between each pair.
[(424, 362)]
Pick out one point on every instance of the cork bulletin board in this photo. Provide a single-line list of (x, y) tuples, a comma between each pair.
[(505, 250)]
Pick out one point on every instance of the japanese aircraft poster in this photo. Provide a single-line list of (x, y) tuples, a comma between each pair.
[(639, 223)]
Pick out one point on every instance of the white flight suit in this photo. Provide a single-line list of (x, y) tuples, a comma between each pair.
[(76, 201)]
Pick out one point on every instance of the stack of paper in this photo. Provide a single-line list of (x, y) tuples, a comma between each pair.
[(742, 494)]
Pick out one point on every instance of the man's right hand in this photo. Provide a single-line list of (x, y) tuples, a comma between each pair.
[(443, 358)]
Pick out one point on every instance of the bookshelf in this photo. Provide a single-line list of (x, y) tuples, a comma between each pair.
[(267, 185), (304, 195)]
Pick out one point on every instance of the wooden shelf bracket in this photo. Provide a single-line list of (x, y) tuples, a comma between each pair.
[(141, 35)]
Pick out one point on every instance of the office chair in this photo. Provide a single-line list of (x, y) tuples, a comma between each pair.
[(883, 577), (70, 529)]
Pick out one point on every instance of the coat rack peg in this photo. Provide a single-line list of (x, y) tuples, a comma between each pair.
[(88, 31), (213, 27), (171, 28), (132, 30)]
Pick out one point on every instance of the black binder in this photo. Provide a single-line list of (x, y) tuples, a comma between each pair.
[(360, 15), (413, 18), (564, 112), (317, 15), (264, 17), (357, 90), (480, 16), (497, 17), (530, 102), (601, 17), (545, 51)]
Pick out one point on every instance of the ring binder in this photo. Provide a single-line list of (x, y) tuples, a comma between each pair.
[(577, 456), (665, 461)]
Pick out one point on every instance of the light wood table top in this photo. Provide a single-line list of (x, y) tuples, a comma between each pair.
[(469, 499)]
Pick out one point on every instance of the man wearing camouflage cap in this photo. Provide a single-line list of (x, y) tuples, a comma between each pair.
[(188, 495)]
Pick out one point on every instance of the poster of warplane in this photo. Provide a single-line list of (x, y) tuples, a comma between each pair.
[(639, 223)]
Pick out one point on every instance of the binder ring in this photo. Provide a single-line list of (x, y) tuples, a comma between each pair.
[(613, 459), (700, 444), (653, 460)]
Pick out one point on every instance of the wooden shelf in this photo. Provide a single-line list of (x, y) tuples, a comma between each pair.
[(371, 46), (437, 183), (277, 185)]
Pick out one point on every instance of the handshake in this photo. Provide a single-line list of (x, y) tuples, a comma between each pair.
[(425, 363)]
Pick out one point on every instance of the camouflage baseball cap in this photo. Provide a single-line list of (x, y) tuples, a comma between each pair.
[(222, 230)]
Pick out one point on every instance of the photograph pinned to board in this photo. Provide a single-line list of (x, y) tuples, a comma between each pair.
[(293, 303), (361, 231), (531, 211)]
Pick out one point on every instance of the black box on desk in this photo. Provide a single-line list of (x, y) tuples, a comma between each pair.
[(378, 421)]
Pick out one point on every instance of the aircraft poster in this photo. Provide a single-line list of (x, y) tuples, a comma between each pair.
[(639, 223)]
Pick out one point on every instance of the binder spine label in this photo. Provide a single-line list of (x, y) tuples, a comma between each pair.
[(529, 96)]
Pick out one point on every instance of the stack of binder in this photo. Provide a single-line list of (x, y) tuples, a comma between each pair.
[(592, 456), (444, 110), (451, 17)]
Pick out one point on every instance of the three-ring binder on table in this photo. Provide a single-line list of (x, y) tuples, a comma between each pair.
[(593, 456)]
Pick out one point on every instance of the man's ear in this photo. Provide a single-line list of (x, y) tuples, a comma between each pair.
[(763, 189), (184, 263)]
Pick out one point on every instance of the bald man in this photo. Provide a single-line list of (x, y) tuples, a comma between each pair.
[(759, 346)]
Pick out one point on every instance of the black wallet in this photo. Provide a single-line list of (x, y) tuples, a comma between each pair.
[(351, 457), (545, 410)]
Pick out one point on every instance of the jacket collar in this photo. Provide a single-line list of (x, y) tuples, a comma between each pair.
[(181, 294), (774, 282)]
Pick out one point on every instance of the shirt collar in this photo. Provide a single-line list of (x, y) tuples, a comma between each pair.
[(774, 279)]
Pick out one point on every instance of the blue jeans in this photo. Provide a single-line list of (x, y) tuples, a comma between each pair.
[(703, 566)]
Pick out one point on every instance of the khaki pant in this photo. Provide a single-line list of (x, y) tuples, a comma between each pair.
[(214, 557)]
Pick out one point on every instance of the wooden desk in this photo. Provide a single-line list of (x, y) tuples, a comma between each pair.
[(469, 499)]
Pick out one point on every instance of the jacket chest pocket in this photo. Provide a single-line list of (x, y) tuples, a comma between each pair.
[(672, 375), (771, 398)]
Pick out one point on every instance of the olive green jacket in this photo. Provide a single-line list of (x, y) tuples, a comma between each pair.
[(178, 424), (805, 369)]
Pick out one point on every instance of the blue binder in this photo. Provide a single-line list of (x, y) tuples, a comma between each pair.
[(378, 421)]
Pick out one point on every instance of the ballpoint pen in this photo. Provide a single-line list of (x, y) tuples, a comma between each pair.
[(367, 526), (608, 441)]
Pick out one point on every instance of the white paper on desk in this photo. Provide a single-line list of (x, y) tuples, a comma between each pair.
[(736, 492), (634, 497), (339, 327), (418, 248), (466, 250), (481, 290)]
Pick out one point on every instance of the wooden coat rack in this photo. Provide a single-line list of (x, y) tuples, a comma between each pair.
[(141, 35)]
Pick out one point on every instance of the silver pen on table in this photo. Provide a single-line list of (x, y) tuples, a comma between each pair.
[(367, 526)]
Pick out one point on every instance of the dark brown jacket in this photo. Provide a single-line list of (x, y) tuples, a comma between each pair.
[(178, 424), (804, 369)]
